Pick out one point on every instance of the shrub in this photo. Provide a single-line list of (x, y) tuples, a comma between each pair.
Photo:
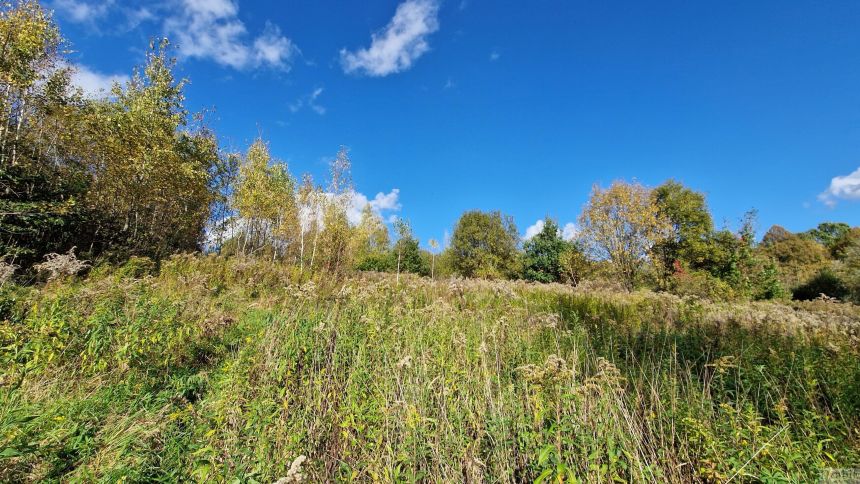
[(137, 267), (574, 266), (701, 284), (825, 282), (766, 284), (377, 262)]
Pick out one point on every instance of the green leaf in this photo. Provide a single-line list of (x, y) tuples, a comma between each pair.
[(9, 452)]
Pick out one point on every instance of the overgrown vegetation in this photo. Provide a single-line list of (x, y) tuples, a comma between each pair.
[(218, 369)]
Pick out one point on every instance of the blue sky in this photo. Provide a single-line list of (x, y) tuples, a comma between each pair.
[(519, 106)]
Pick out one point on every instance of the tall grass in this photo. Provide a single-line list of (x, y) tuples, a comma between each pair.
[(218, 370)]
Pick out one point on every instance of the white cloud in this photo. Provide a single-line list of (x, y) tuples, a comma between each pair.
[(82, 11), (383, 204), (842, 188), (95, 84), (310, 101), (494, 56), (534, 229), (272, 48), (211, 29), (568, 232), (399, 44)]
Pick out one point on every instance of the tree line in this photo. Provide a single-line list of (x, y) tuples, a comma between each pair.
[(134, 173)]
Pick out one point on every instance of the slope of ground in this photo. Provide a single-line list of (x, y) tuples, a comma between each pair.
[(216, 370)]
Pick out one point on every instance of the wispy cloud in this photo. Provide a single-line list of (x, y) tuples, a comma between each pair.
[(494, 55), (100, 13), (137, 16), (310, 101), (211, 29), (845, 187), (82, 11), (396, 47), (95, 84), (272, 48)]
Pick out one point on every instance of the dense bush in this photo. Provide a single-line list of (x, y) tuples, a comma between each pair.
[(701, 284), (824, 283), (382, 262), (485, 245), (545, 256)]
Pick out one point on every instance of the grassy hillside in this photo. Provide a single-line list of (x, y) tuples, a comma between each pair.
[(216, 370)]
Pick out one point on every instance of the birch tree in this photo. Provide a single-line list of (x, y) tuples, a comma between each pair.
[(370, 241), (335, 234), (434, 247), (265, 201), (151, 165), (309, 200), (41, 175)]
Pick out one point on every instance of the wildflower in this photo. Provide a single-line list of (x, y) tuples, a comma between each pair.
[(405, 362), (554, 369), (547, 320), (57, 265), (723, 363)]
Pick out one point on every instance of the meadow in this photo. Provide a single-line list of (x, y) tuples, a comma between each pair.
[(177, 308), (215, 369)]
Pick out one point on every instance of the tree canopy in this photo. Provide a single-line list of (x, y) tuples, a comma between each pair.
[(622, 224), (484, 244), (543, 254)]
